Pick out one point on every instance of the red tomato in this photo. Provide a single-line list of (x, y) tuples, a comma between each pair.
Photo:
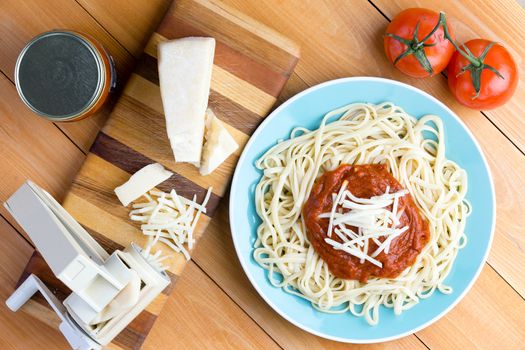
[(418, 54), (493, 90)]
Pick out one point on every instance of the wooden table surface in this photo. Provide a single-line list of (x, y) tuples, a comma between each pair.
[(214, 305)]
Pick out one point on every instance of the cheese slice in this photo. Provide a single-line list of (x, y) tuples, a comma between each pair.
[(219, 144), (141, 182), (185, 67)]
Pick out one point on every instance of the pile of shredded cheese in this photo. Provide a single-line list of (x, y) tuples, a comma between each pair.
[(170, 219), (372, 218)]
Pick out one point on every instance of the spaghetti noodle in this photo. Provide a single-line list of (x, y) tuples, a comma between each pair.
[(414, 152)]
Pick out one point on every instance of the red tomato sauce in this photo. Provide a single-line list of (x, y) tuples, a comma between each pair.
[(364, 181)]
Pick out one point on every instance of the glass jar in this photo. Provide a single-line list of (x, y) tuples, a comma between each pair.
[(64, 75)]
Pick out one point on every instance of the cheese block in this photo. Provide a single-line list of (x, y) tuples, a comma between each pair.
[(185, 67), (218, 146), (141, 182)]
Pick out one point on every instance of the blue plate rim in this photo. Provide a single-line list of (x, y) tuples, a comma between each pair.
[(233, 196)]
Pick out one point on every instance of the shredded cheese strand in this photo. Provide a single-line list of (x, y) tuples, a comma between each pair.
[(372, 218), (170, 219)]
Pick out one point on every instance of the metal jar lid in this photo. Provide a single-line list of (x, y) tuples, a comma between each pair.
[(60, 75)]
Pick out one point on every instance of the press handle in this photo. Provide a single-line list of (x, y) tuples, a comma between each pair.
[(28, 288), (22, 294)]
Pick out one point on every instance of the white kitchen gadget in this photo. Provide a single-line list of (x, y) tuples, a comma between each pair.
[(108, 291)]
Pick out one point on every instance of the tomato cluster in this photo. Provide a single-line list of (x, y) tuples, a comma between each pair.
[(481, 74)]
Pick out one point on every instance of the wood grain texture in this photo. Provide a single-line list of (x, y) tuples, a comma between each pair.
[(507, 168), (496, 21), (130, 29), (499, 20), (266, 46), (338, 38), (505, 160), (47, 156), (202, 308), (20, 330), (135, 135), (128, 22), (134, 333), (490, 316), (202, 317), (33, 17)]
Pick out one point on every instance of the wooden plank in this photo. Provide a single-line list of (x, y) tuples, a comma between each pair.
[(139, 120), (129, 22), (266, 46), (202, 316), (350, 44), (130, 338), (19, 330), (22, 20), (498, 20), (83, 132), (508, 169), (490, 317), (32, 148), (509, 236)]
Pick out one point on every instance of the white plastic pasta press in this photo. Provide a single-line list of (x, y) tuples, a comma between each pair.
[(108, 291)]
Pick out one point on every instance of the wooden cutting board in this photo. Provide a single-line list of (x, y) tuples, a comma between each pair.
[(251, 66)]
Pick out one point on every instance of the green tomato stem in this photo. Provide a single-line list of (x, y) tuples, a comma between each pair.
[(474, 60)]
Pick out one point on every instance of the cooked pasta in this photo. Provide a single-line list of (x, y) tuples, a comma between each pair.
[(414, 152)]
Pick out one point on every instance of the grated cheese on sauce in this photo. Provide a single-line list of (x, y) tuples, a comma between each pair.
[(370, 216)]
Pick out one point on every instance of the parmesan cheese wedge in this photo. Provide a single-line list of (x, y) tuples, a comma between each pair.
[(141, 182), (219, 144), (185, 67)]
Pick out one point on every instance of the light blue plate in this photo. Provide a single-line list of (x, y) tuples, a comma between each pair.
[(306, 109)]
